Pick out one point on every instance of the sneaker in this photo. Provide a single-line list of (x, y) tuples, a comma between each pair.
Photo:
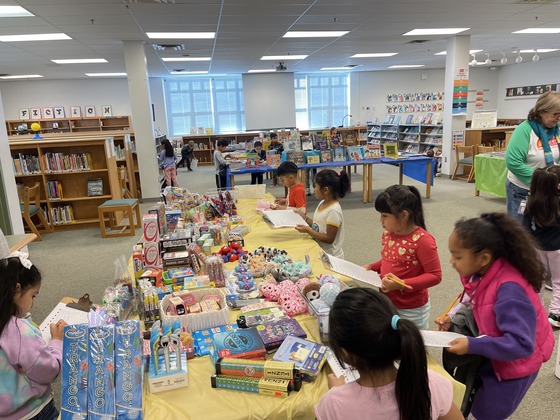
[(554, 320)]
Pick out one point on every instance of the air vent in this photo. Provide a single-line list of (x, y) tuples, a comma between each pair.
[(417, 41), (169, 47)]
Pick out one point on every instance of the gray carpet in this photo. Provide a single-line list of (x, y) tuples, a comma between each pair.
[(80, 261)]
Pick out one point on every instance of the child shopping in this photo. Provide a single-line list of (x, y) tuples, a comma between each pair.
[(542, 218), (409, 261), (366, 332), (28, 366), (166, 160), (288, 173), (327, 224), (501, 275), (220, 163)]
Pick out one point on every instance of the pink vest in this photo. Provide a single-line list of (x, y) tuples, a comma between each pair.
[(483, 310)]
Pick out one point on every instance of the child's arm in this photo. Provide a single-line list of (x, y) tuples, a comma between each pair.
[(327, 238), (428, 258)]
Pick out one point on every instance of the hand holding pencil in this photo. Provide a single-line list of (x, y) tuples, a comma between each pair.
[(444, 321), (391, 282)]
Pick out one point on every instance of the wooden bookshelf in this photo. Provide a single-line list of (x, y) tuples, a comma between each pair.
[(69, 125), (495, 136)]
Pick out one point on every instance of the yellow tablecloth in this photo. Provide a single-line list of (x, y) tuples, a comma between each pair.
[(200, 401)]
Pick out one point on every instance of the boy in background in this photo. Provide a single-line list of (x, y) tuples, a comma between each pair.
[(220, 163), (288, 174), (257, 178)]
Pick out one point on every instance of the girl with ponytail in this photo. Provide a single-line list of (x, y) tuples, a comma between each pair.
[(366, 332)]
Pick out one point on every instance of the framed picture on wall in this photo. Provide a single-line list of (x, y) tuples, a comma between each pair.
[(75, 112), (23, 113), (89, 111), (59, 112), (47, 112), (106, 110), (35, 113)]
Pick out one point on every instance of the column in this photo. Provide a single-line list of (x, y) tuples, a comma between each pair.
[(142, 121), (456, 63)]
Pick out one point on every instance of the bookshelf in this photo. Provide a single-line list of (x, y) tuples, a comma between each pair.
[(389, 133), (64, 168), (431, 136), (69, 125), (496, 136), (409, 138)]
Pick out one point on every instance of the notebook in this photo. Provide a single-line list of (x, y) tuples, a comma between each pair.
[(352, 270), (439, 338), (61, 311), (350, 374), (283, 218)]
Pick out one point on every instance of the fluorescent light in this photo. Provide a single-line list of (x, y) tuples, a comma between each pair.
[(436, 31), (181, 35), (283, 57), (22, 76), (538, 31), (14, 11), (445, 52), (406, 66), (373, 55), (186, 59), (261, 71), (337, 68), (540, 50), (314, 34), (34, 37), (105, 74), (189, 72), (80, 61)]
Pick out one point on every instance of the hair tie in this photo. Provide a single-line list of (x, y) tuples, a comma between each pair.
[(22, 258), (339, 173), (394, 322)]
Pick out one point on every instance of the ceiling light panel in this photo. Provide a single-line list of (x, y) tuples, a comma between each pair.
[(189, 72), (14, 11), (80, 61), (538, 31), (34, 37), (406, 66), (314, 34), (445, 52), (261, 71), (105, 74), (21, 76), (436, 31), (181, 35), (171, 59), (373, 55), (283, 57)]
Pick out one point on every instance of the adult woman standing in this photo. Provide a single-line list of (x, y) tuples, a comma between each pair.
[(535, 143)]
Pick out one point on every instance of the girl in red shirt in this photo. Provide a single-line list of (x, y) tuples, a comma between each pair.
[(409, 261)]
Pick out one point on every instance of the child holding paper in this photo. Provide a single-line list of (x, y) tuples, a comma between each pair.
[(288, 174), (28, 366)]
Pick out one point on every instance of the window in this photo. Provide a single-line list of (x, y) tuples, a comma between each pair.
[(322, 100), (215, 102)]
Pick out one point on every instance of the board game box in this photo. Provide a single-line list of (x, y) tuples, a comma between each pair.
[(273, 333)]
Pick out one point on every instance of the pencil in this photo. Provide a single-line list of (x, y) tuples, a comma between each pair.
[(396, 280), (450, 306)]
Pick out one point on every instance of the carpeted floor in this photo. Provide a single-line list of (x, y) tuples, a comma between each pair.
[(80, 261)]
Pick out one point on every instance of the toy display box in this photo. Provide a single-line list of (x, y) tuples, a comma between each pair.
[(306, 355), (273, 333), (244, 343), (204, 339), (172, 377)]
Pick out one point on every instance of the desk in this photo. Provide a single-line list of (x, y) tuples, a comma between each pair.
[(16, 242), (490, 174), (200, 401), (415, 167)]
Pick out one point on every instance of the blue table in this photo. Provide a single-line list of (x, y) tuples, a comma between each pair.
[(419, 168)]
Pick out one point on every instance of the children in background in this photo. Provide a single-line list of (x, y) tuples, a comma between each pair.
[(327, 225), (28, 366), (542, 218), (366, 333), (502, 275), (288, 174), (186, 155), (220, 163), (258, 178), (409, 253), (275, 147), (166, 160)]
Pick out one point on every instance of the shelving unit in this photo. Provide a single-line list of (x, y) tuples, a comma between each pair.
[(389, 133), (69, 125), (409, 138), (431, 136), (71, 174), (496, 136), (374, 133)]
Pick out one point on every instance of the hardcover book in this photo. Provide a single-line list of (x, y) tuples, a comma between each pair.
[(306, 355), (326, 156), (291, 145), (355, 153), (273, 159), (409, 119), (372, 151), (298, 157), (275, 332), (313, 159), (306, 143), (245, 343), (321, 143), (339, 154)]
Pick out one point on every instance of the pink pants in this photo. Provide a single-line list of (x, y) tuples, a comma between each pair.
[(551, 260), (171, 176)]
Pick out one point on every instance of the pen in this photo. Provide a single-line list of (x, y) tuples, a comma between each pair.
[(451, 306), (396, 280)]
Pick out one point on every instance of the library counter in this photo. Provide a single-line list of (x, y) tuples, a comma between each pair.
[(200, 401)]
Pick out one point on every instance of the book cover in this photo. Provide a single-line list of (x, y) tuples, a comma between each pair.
[(397, 119), (273, 333), (387, 119), (252, 160), (326, 156), (204, 339), (372, 151), (244, 343), (390, 150), (335, 140), (291, 145), (313, 159), (355, 153), (306, 355), (273, 159), (391, 119), (409, 119), (298, 157), (321, 143), (306, 143), (339, 154)]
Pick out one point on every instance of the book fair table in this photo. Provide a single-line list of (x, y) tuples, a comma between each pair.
[(490, 173), (200, 401)]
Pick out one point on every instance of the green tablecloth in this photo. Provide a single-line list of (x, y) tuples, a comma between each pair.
[(490, 174)]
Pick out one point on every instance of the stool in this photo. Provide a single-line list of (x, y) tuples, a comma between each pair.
[(126, 205)]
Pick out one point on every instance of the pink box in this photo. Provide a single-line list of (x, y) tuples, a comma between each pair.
[(151, 227), (152, 256)]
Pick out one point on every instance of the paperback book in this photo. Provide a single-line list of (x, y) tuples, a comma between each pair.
[(273, 159), (339, 154), (298, 157), (355, 153), (372, 151), (326, 156)]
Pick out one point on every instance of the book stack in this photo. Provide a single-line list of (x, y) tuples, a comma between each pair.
[(26, 165)]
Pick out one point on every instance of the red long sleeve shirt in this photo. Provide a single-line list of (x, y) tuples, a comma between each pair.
[(412, 258)]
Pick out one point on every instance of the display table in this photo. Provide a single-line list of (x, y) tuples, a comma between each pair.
[(490, 174), (200, 401), (16, 242)]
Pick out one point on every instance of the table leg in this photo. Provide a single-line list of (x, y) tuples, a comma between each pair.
[(364, 184), (370, 182), (429, 175), (302, 178), (401, 174), (232, 181)]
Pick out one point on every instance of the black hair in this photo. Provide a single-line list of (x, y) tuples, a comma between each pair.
[(543, 203), (361, 335), (258, 143), (398, 198), (503, 236), (168, 148), (287, 168), (430, 153), (339, 183), (12, 273), (222, 142)]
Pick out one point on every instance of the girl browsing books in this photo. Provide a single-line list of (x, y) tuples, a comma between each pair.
[(366, 332), (409, 262), (327, 224)]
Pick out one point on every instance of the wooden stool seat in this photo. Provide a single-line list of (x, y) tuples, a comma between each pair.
[(125, 205)]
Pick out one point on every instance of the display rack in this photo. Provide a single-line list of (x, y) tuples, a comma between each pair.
[(68, 125)]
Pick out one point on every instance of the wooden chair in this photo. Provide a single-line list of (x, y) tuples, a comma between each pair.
[(128, 206), (32, 207), (485, 149), (124, 184), (466, 161)]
